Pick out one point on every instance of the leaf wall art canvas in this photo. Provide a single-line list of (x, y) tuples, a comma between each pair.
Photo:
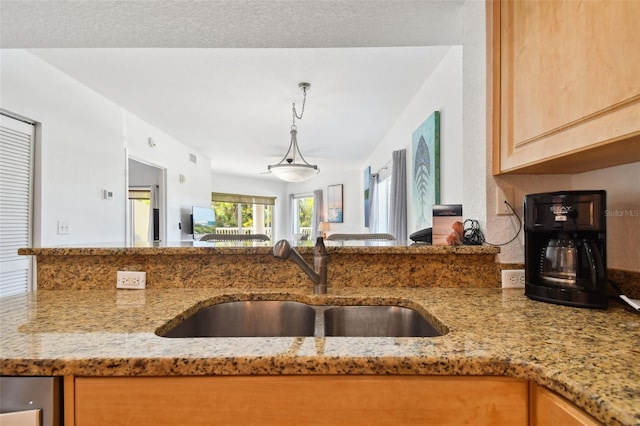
[(426, 171)]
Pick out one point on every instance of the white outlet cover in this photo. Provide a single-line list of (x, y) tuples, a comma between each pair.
[(64, 228), (132, 280), (513, 278)]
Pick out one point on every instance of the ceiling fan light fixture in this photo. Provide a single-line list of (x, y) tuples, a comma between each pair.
[(293, 167)]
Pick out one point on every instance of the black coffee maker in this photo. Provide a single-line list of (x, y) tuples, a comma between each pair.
[(565, 248)]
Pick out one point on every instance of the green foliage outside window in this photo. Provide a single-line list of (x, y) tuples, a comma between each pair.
[(305, 211), (227, 215)]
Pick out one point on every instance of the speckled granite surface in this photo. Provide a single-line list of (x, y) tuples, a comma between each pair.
[(197, 265), (589, 356)]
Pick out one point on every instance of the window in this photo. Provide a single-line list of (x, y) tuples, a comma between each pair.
[(302, 213), (243, 214), (383, 204)]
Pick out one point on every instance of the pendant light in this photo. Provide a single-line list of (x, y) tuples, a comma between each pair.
[(293, 167)]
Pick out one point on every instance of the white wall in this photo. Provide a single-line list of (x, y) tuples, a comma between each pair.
[(174, 157), (80, 149), (622, 184), (352, 197), (474, 72), (442, 91)]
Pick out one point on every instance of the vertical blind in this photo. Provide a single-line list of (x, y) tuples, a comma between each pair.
[(16, 187)]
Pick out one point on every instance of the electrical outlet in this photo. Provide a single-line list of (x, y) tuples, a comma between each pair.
[(513, 278), (64, 228), (131, 280), (502, 195)]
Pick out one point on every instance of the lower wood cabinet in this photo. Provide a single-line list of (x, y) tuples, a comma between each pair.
[(550, 409), (298, 400)]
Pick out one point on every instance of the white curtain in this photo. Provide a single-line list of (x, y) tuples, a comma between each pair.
[(318, 213), (398, 210), (294, 217), (374, 215)]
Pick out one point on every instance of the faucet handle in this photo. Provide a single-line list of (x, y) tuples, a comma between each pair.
[(320, 266)]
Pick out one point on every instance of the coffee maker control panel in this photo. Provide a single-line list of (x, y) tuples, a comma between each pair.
[(569, 211)]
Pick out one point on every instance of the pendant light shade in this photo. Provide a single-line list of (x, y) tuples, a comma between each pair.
[(293, 167)]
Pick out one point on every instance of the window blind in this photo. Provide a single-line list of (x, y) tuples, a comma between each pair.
[(221, 197), (139, 193), (16, 188)]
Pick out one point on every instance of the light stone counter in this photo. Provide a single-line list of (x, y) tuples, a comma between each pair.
[(588, 356), (202, 264)]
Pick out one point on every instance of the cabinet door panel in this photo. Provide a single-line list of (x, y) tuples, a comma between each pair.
[(301, 400), (551, 410), (568, 79)]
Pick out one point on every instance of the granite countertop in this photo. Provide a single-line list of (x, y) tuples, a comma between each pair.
[(250, 248), (588, 356)]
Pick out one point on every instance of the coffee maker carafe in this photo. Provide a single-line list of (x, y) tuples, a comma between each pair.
[(565, 244)]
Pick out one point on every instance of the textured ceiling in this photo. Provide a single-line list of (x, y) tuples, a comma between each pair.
[(229, 23), (229, 95)]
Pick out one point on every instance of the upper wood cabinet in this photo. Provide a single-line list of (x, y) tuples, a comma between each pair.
[(564, 85)]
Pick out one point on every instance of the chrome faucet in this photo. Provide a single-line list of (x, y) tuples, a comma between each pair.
[(283, 250)]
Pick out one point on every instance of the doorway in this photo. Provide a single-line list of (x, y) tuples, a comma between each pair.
[(16, 204), (146, 205)]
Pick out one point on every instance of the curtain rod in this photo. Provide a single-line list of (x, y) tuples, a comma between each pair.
[(384, 167)]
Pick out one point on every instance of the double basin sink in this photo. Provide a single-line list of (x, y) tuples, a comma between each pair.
[(268, 318)]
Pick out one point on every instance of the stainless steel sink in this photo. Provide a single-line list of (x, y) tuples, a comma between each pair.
[(256, 318), (377, 321), (262, 318)]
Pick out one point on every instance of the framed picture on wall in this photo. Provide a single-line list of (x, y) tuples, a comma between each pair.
[(426, 171), (334, 203)]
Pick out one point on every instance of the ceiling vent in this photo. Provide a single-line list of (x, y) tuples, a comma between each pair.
[(193, 158)]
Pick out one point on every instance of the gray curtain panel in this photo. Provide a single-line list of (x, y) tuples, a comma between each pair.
[(398, 213)]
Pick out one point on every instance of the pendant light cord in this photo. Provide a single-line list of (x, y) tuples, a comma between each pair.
[(304, 101)]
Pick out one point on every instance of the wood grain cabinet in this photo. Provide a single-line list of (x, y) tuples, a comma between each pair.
[(297, 400), (550, 409), (564, 84)]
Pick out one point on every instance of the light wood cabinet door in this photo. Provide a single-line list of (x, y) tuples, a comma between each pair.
[(301, 400), (566, 91), (550, 409)]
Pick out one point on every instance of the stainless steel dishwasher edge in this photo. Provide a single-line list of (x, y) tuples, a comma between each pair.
[(25, 394)]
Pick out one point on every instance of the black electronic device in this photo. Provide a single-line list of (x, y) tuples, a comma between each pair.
[(565, 248), (422, 236)]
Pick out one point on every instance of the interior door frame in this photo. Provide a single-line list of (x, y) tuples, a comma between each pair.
[(162, 201)]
